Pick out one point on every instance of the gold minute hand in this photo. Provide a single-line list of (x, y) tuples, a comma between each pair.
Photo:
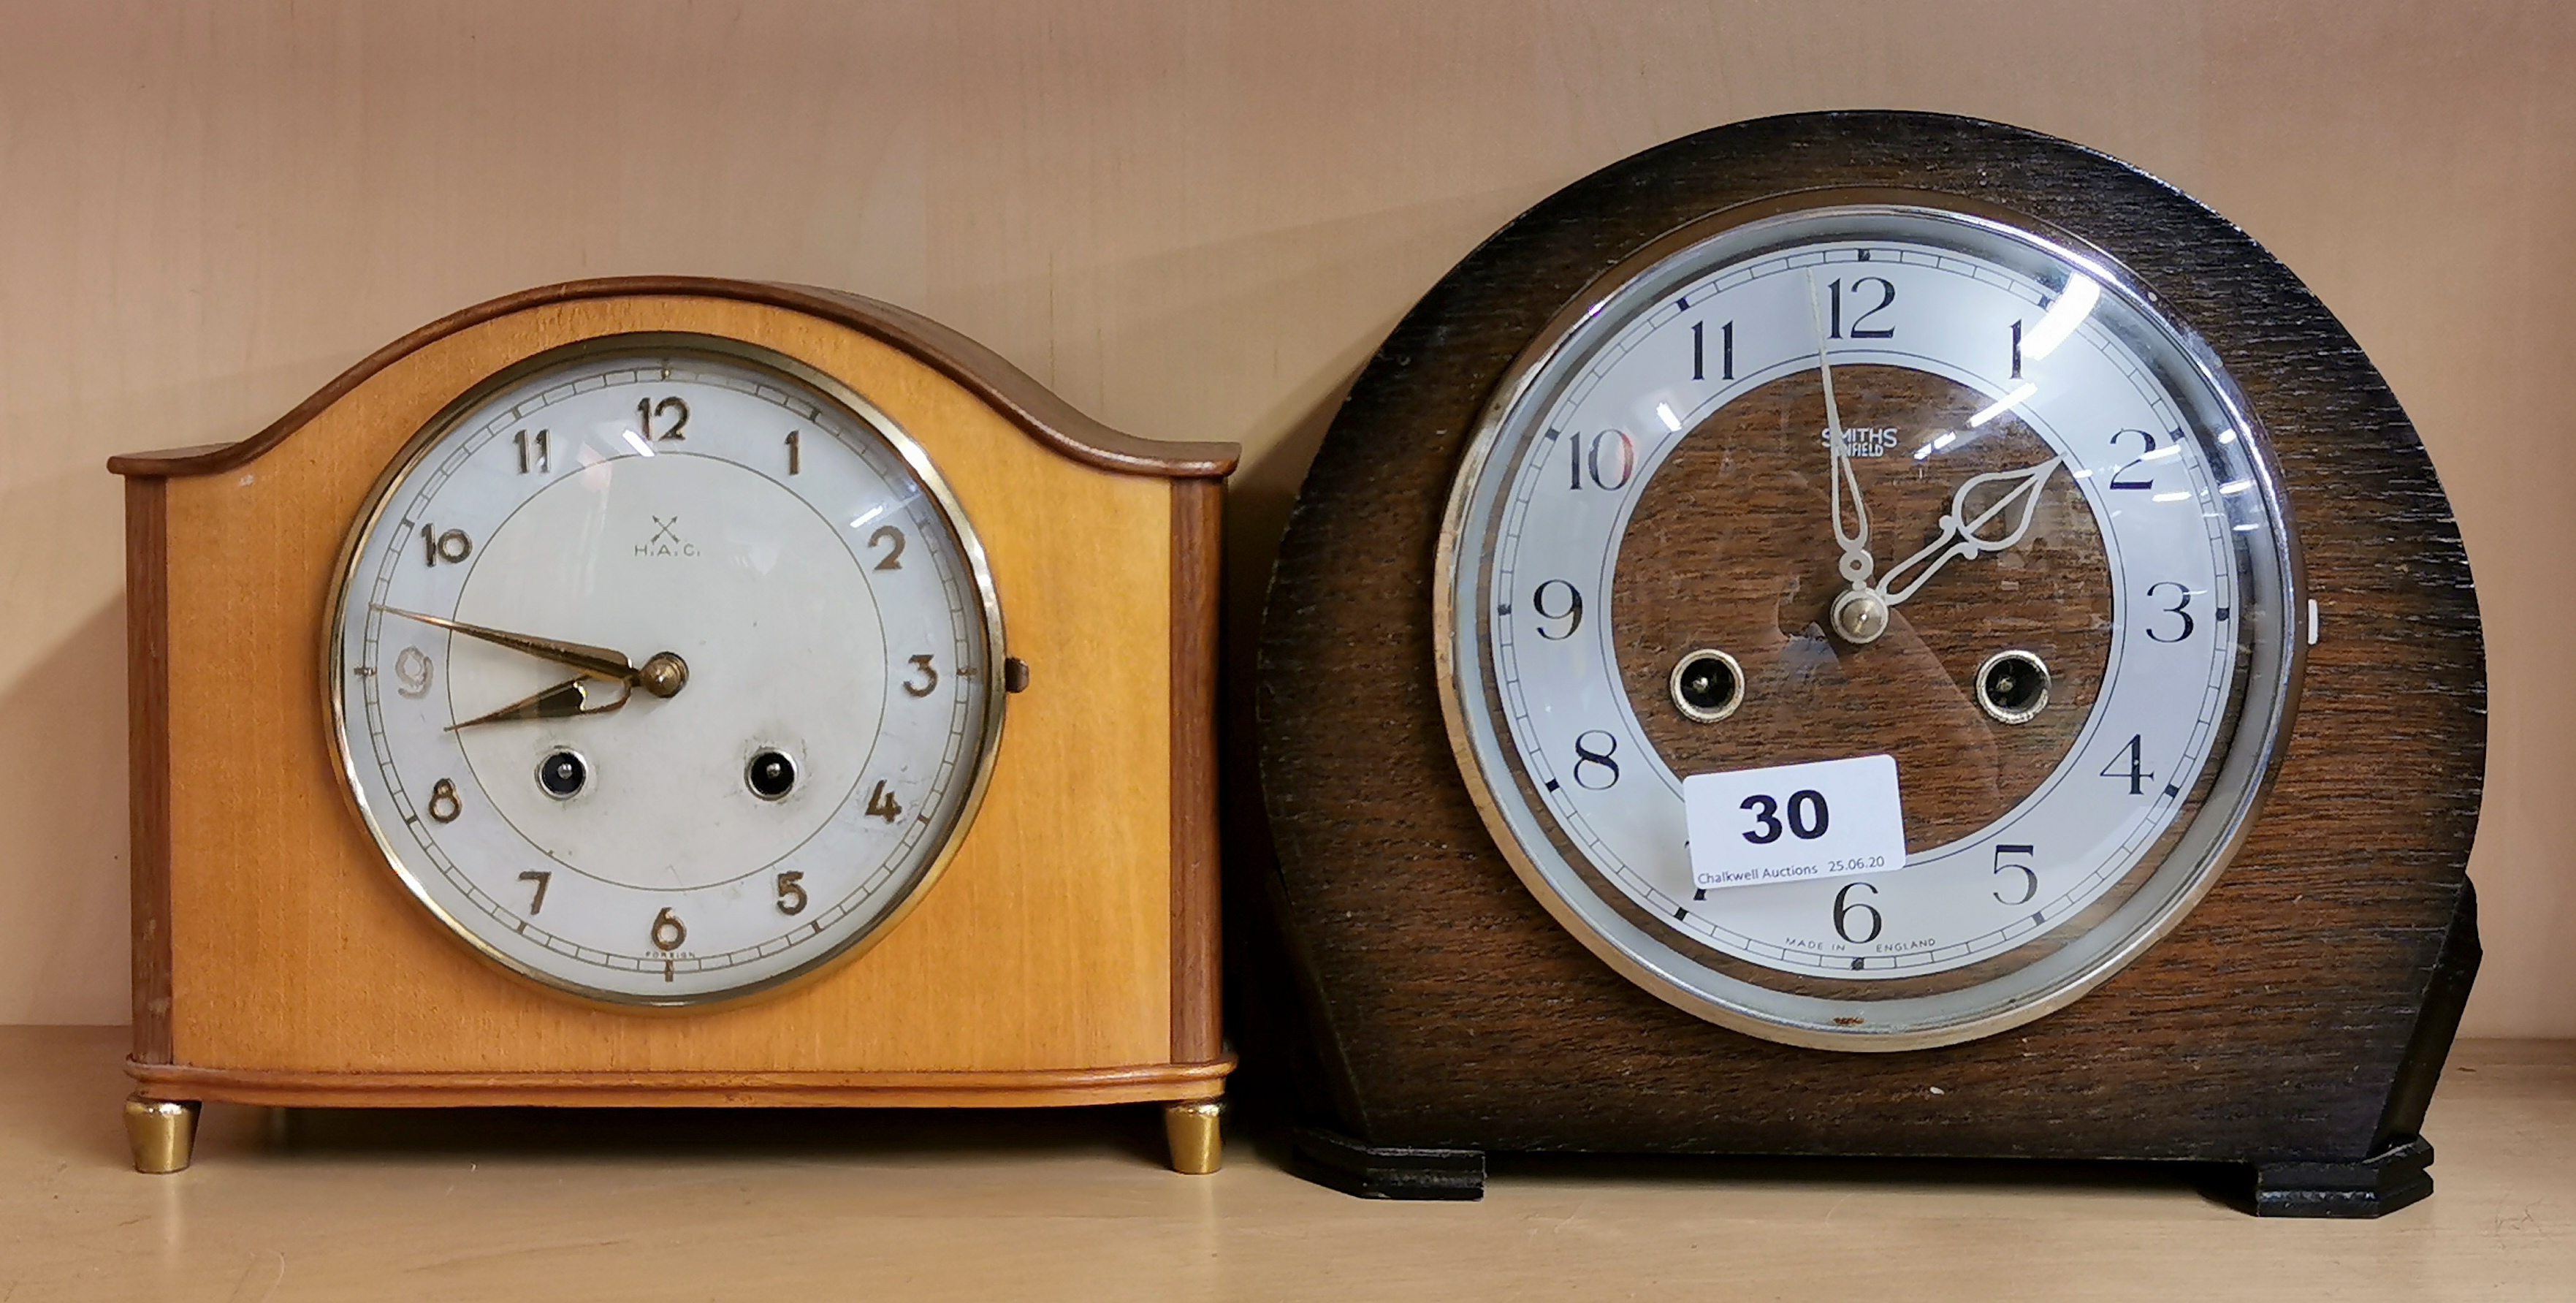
[(562, 701), (599, 662), (663, 673)]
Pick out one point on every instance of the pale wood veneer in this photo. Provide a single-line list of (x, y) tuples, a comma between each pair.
[(1068, 954)]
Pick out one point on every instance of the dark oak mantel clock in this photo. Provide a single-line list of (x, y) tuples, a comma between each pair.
[(675, 691), (1877, 634)]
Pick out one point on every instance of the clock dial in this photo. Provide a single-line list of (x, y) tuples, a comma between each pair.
[(1869, 479), (663, 670)]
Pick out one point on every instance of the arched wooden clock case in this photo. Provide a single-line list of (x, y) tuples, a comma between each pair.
[(2293, 1021), (303, 936)]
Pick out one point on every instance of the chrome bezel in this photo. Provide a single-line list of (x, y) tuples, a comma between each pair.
[(578, 757), (1703, 714), (2178, 883), (1996, 710), (753, 760)]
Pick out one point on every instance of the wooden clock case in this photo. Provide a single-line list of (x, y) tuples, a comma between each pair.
[(1068, 955), (2294, 1023)]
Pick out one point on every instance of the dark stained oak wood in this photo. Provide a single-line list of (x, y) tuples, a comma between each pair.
[(2275, 1024), (1730, 548)]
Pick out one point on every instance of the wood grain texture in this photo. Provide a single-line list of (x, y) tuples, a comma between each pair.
[(1722, 552), (1108, 1085), (147, 726), (1197, 578), (2273, 1023), (973, 1206), (1193, 219), (1046, 948), (2455, 971), (978, 369)]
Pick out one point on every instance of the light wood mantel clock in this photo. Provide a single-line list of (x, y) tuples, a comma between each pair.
[(673, 691)]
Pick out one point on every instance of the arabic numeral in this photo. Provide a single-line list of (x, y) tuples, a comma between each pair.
[(532, 451), (413, 673), (2016, 350), (791, 893), (1725, 350), (1860, 327), (668, 931), (1818, 817), (1594, 759), (451, 547), (2178, 608), (2150, 481), (2029, 876), (2136, 773), (795, 456), (1845, 909), (1808, 816), (676, 408), (1622, 460), (1766, 812), (923, 679), (1572, 613), (882, 804), (891, 539)]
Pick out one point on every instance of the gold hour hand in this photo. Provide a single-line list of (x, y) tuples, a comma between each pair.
[(663, 675), (562, 701)]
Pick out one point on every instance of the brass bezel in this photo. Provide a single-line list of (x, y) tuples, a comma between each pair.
[(867, 416)]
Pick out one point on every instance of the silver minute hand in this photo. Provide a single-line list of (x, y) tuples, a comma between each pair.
[(1959, 538), (1839, 477)]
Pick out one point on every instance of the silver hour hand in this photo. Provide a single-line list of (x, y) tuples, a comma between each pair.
[(1959, 538), (562, 701)]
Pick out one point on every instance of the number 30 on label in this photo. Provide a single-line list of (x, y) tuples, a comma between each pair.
[(1750, 827)]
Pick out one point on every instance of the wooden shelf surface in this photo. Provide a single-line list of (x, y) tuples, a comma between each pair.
[(1076, 1204)]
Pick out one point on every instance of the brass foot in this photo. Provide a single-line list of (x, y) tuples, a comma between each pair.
[(162, 1131), (1192, 1127)]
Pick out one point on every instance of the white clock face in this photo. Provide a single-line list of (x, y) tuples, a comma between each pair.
[(2027, 545), (662, 674)]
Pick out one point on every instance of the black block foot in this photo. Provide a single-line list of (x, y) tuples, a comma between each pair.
[(2374, 1187), (1389, 1172)]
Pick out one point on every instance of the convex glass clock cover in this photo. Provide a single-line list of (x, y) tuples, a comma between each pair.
[(1869, 475), (783, 709)]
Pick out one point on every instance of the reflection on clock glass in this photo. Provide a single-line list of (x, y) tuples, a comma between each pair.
[(662, 673), (1868, 481)]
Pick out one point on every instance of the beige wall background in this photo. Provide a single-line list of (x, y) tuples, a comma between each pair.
[(1194, 220)]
